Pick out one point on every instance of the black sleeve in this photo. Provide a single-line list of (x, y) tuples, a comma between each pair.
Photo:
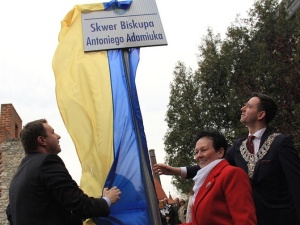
[(57, 179), (192, 171)]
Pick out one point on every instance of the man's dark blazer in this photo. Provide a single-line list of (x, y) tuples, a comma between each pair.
[(42, 192), (275, 182)]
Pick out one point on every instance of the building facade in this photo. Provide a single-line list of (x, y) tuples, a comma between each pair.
[(11, 153)]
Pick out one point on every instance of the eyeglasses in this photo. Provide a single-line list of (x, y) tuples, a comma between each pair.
[(202, 151)]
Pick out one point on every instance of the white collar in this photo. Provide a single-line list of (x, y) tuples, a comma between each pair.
[(258, 134)]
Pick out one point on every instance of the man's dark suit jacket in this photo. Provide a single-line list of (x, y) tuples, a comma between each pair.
[(42, 192), (275, 182)]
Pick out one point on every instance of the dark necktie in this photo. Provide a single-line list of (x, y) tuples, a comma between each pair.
[(250, 144)]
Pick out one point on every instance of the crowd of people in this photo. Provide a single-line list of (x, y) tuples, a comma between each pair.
[(173, 214)]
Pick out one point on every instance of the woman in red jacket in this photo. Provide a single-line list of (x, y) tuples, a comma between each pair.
[(222, 193)]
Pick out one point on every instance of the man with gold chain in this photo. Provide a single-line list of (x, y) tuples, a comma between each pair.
[(271, 161)]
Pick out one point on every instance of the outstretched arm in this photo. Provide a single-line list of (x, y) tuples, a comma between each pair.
[(185, 172), (164, 169)]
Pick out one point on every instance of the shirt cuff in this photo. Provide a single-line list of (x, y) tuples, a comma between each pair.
[(183, 173), (107, 200)]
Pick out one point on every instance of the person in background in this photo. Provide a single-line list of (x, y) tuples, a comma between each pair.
[(174, 212), (42, 190), (273, 167), (168, 220), (182, 211), (165, 211), (222, 193)]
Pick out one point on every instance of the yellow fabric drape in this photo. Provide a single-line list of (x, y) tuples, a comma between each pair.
[(83, 93)]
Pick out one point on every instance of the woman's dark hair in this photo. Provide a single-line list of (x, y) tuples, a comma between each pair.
[(29, 134), (218, 139)]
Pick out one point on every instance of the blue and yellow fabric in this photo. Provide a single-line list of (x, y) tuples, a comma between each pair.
[(100, 110)]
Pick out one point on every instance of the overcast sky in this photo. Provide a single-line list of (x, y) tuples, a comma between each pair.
[(29, 37)]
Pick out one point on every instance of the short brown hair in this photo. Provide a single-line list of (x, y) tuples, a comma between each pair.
[(29, 134), (268, 105)]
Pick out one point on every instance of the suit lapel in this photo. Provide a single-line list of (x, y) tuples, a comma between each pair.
[(264, 137)]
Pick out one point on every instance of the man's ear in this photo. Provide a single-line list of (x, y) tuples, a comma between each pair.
[(261, 115), (41, 140)]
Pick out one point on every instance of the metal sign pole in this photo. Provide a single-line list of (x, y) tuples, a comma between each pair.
[(153, 209)]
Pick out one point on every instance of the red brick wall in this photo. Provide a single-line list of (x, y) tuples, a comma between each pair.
[(10, 123)]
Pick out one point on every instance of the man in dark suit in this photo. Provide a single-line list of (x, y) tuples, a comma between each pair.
[(273, 167), (42, 192)]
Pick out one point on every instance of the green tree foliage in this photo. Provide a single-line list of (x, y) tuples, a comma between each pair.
[(260, 53), (182, 119)]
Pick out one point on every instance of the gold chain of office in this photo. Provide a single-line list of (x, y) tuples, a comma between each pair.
[(252, 159)]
